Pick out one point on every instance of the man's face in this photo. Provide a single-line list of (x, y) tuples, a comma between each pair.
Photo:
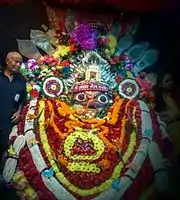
[(13, 62)]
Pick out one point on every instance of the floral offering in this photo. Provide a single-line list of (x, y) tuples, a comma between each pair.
[(89, 130)]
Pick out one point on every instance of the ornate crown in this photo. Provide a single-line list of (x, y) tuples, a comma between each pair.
[(95, 73)]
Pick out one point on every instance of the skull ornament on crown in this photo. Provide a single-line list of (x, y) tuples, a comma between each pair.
[(89, 130)]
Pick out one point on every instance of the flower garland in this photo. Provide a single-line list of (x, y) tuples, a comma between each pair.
[(71, 156), (63, 179), (18, 129), (25, 191), (27, 166), (125, 107)]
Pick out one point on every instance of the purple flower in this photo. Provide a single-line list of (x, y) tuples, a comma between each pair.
[(32, 65), (129, 67), (86, 37)]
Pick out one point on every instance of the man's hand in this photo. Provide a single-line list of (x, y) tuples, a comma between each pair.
[(16, 117)]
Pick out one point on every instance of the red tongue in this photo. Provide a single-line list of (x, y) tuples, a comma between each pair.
[(82, 147)]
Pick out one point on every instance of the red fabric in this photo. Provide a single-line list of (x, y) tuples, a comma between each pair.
[(9, 1), (59, 16), (133, 5)]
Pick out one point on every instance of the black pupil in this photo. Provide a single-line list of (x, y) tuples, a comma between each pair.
[(81, 97), (103, 99)]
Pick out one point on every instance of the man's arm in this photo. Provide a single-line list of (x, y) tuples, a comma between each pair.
[(23, 97), (21, 107), (22, 101)]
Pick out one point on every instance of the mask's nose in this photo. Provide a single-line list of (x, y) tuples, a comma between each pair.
[(91, 104)]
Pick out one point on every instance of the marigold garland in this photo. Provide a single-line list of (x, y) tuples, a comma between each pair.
[(63, 179), (128, 108)]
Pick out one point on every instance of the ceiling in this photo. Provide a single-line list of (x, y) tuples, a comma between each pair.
[(127, 5)]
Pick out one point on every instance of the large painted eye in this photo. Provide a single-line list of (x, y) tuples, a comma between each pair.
[(103, 99), (80, 97)]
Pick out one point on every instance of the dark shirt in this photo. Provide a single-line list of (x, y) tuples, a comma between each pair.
[(12, 95)]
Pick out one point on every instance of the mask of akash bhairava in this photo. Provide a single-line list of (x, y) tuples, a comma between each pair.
[(91, 96), (87, 136)]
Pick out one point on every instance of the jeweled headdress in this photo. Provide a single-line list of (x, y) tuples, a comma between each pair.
[(93, 69), (87, 60)]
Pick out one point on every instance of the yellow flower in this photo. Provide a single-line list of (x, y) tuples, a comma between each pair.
[(44, 67), (58, 67), (62, 51), (11, 151), (112, 43), (22, 184), (83, 167), (70, 141), (29, 87), (45, 72), (129, 74)]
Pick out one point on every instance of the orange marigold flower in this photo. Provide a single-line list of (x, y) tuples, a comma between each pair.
[(104, 164), (63, 160)]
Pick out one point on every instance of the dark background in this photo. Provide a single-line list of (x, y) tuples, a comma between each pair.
[(161, 29)]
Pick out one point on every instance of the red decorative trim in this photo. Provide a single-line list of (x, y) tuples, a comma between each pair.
[(10, 2), (130, 5)]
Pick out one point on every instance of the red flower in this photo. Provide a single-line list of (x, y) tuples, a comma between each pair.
[(40, 61), (142, 74), (73, 48), (107, 40), (104, 41), (118, 79), (65, 63), (50, 60), (34, 93), (57, 73), (70, 40), (54, 62), (114, 60)]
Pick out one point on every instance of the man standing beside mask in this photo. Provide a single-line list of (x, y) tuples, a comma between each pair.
[(12, 97)]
